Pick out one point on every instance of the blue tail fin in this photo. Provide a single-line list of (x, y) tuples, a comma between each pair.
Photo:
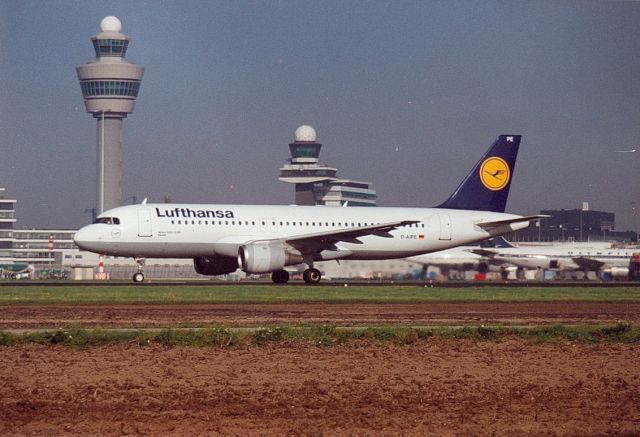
[(486, 187)]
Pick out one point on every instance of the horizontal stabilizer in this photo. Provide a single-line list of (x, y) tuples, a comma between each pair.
[(498, 223)]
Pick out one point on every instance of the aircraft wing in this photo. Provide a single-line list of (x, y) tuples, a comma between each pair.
[(587, 263), (484, 252), (498, 223), (318, 241), (327, 240)]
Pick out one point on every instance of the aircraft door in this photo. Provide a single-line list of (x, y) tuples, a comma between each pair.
[(445, 226), (264, 226), (144, 223)]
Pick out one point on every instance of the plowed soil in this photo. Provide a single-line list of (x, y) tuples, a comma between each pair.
[(525, 313), (434, 387)]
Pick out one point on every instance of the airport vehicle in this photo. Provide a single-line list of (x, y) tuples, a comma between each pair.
[(634, 267), (265, 239), (16, 271)]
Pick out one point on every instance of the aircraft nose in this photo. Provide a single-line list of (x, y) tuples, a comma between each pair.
[(84, 237)]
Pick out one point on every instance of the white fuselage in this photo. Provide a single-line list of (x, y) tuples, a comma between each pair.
[(189, 231)]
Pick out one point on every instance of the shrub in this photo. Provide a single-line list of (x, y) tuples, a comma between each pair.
[(264, 335)]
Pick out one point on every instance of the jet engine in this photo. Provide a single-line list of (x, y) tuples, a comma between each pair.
[(618, 272), (215, 265), (265, 257)]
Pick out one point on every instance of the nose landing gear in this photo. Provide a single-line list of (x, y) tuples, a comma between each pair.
[(138, 276)]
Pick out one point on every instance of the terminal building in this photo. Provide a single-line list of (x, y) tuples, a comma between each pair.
[(315, 182), (581, 224)]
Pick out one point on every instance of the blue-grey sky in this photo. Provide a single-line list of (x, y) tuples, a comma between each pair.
[(227, 83)]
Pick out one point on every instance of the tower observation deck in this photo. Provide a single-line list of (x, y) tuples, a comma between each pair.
[(110, 86)]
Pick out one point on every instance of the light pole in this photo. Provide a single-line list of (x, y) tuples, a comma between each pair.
[(634, 210)]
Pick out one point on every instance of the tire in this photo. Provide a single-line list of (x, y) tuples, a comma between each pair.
[(138, 277), (280, 277), (312, 276)]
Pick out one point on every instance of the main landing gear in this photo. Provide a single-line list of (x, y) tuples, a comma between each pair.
[(310, 276), (138, 276), (280, 277)]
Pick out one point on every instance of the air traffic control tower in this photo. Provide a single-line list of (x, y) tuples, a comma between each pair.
[(317, 183), (110, 87)]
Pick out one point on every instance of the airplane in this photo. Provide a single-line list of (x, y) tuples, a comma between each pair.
[(462, 258), (594, 256), (266, 238)]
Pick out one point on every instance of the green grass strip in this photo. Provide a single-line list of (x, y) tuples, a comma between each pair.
[(219, 294), (327, 336)]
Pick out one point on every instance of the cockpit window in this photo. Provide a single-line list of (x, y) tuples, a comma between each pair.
[(108, 220)]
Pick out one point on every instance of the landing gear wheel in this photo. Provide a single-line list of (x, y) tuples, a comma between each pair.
[(312, 276), (280, 276), (138, 276)]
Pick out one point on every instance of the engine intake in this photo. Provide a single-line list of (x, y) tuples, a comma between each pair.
[(215, 265), (265, 257)]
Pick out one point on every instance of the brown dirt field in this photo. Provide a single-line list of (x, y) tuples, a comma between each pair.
[(526, 313), (435, 387)]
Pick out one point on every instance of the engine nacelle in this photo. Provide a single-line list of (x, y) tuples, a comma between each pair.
[(215, 265), (618, 272), (265, 257)]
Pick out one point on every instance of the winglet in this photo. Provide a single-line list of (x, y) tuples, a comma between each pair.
[(486, 187)]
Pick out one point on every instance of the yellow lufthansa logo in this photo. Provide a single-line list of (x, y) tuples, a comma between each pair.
[(494, 173)]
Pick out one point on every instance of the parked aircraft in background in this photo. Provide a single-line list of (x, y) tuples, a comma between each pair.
[(265, 239), (460, 259), (502, 255), (598, 257)]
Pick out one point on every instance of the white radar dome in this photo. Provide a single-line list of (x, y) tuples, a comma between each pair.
[(111, 24), (305, 133)]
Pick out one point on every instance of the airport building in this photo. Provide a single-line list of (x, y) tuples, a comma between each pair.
[(7, 222), (581, 224), (315, 182), (110, 86)]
